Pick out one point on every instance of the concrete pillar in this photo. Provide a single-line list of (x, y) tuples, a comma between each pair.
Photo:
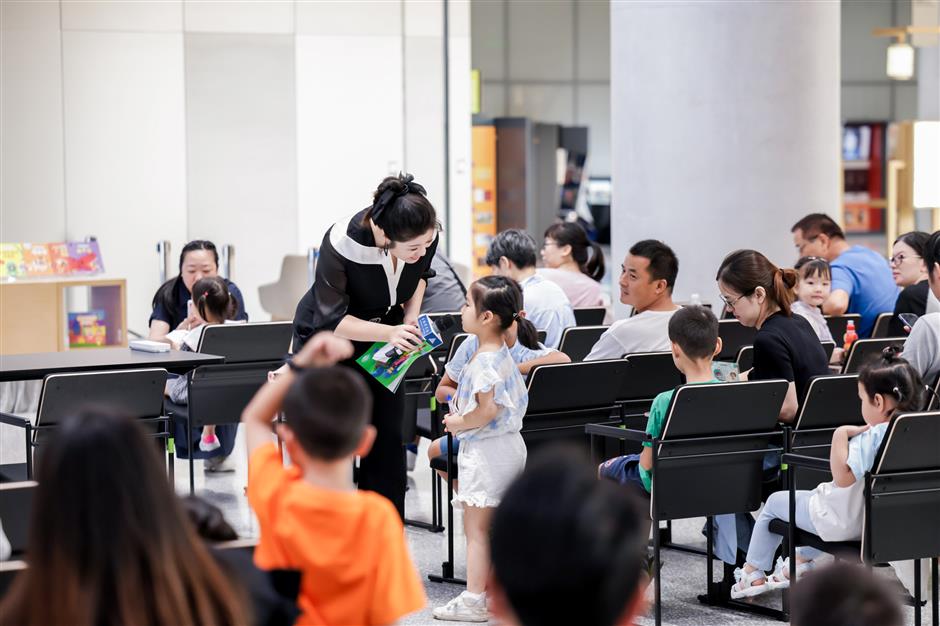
[(725, 127)]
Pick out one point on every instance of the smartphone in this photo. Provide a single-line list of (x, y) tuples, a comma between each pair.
[(189, 308), (908, 319)]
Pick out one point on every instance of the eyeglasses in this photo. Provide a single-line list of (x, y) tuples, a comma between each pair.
[(897, 259), (730, 303)]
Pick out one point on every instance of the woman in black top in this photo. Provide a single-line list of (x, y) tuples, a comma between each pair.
[(371, 275), (171, 311), (910, 274), (759, 294)]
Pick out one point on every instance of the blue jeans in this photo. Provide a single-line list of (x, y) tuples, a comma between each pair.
[(764, 543), (624, 470), (444, 446)]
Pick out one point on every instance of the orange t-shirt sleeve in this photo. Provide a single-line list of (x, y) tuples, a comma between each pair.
[(266, 474), (398, 590)]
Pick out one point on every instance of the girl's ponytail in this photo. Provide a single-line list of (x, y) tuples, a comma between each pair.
[(784, 282), (595, 263), (893, 376), (526, 333)]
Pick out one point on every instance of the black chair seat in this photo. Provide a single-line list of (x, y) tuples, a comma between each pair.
[(846, 550), (440, 463)]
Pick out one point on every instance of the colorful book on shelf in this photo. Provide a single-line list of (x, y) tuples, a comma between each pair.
[(11, 257), (87, 329), (38, 259), (61, 261), (85, 257)]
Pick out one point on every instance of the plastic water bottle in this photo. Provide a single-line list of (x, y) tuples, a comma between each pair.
[(850, 336)]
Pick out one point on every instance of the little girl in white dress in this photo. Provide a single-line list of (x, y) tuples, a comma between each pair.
[(486, 417)]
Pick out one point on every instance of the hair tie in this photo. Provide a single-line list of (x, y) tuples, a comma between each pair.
[(515, 316), (205, 294), (898, 393)]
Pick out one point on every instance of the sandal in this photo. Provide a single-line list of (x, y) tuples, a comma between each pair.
[(780, 579), (744, 587)]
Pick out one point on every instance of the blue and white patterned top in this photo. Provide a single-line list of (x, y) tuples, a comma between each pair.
[(519, 353), (497, 372), (863, 448)]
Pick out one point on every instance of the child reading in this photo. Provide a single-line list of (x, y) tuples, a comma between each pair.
[(213, 304)]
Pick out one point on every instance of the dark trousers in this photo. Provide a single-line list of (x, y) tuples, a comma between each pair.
[(383, 469)]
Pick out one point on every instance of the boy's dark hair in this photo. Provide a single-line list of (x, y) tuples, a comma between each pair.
[(842, 594), (695, 330), (892, 376), (327, 409), (566, 547), (816, 224), (516, 245), (664, 265), (932, 253), (809, 266), (211, 296)]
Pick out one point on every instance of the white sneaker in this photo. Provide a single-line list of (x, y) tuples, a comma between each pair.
[(464, 608), (219, 465)]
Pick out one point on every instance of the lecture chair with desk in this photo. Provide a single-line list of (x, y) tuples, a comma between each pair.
[(136, 393), (219, 393), (709, 461), (901, 498)]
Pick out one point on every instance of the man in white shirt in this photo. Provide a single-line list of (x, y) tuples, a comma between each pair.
[(512, 254), (922, 347), (647, 277)]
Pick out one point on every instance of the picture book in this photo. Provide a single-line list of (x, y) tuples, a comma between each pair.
[(11, 257), (388, 364), (61, 262), (726, 371), (37, 259), (87, 329), (85, 257)]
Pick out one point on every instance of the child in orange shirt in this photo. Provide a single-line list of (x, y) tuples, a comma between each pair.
[(349, 544)]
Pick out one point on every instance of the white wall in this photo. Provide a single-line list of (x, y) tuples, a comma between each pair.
[(254, 123), (715, 149), (32, 193)]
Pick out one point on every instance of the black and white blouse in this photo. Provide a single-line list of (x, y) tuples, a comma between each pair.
[(354, 277)]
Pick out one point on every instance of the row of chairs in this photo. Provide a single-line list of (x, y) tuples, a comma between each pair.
[(706, 443), (217, 393)]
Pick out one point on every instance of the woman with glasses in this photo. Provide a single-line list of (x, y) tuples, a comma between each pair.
[(910, 274), (759, 295)]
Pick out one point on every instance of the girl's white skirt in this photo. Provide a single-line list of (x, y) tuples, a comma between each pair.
[(486, 467)]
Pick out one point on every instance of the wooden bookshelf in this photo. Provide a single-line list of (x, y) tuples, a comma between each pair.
[(34, 313)]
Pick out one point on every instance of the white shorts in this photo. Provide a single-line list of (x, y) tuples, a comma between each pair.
[(486, 467)]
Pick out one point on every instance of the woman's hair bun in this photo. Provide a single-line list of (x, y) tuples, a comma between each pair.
[(392, 188), (790, 277)]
